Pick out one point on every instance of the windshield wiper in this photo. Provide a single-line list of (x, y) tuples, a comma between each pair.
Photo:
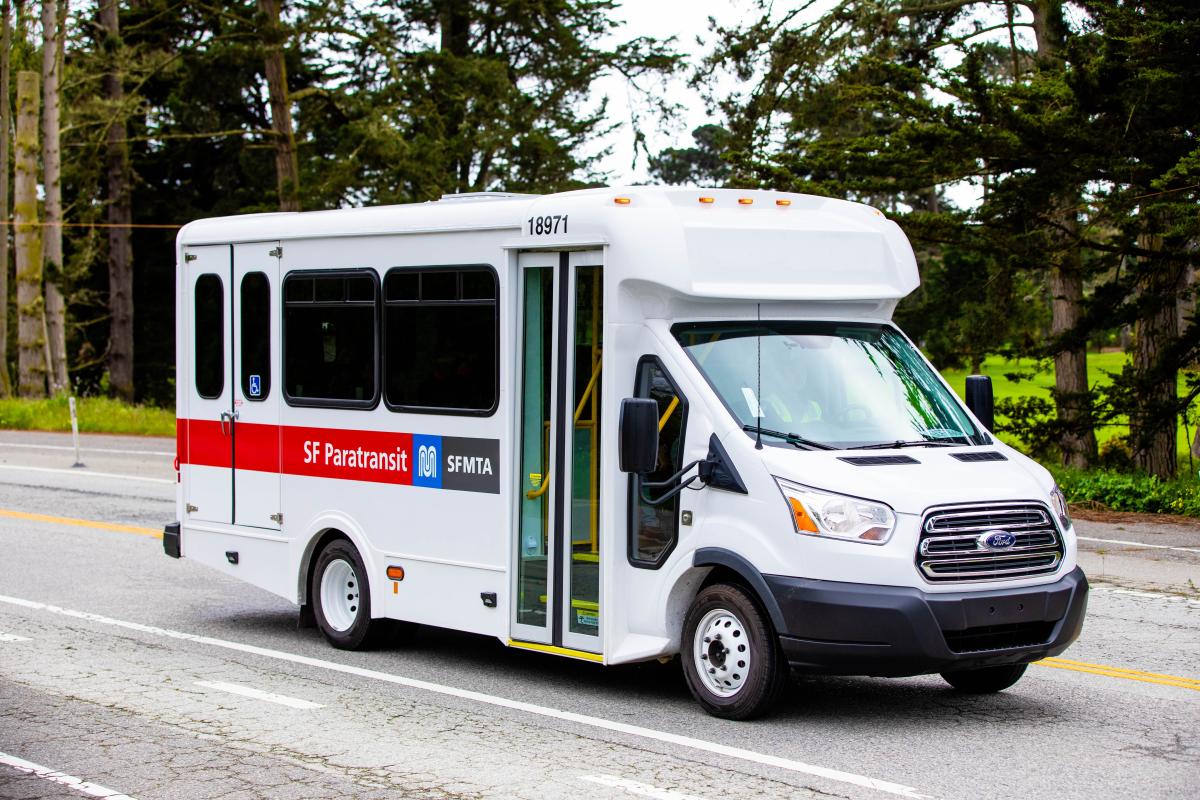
[(790, 438), (896, 445)]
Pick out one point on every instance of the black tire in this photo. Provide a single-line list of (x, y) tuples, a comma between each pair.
[(747, 695), (363, 632), (985, 680)]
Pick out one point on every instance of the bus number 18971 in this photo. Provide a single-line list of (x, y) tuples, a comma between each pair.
[(547, 225)]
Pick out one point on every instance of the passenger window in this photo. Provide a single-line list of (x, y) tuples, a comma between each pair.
[(440, 340), (210, 336), (256, 336), (329, 334), (654, 530)]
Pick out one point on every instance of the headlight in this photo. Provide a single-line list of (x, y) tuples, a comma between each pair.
[(1058, 501), (817, 513)]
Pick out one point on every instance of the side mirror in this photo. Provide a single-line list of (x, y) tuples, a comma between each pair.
[(639, 435), (981, 400)]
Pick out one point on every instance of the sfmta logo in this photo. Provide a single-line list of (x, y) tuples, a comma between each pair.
[(427, 461)]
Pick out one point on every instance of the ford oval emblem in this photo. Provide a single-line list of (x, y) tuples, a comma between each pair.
[(997, 540)]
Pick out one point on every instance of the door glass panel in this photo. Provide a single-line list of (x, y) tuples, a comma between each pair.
[(534, 475), (656, 527), (584, 614), (210, 336), (256, 336)]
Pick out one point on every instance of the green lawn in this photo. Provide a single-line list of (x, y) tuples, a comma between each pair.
[(1039, 380), (96, 415)]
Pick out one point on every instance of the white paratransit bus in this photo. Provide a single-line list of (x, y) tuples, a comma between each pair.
[(613, 425)]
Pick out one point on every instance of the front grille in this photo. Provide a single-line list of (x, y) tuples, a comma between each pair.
[(952, 547), (999, 637)]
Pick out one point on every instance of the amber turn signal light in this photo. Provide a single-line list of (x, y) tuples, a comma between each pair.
[(395, 573)]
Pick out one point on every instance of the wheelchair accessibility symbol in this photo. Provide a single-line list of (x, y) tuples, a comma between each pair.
[(255, 385)]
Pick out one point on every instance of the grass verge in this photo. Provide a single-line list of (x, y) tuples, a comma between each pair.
[(96, 415)]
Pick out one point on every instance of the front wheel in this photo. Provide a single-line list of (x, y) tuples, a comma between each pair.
[(731, 659), (986, 680), (342, 597)]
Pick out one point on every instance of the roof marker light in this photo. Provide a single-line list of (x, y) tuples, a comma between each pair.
[(707, 200), (783, 202), (621, 201), (745, 201)]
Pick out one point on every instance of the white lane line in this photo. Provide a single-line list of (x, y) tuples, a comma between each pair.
[(86, 473), (88, 449), (12, 637), (688, 742), (1139, 544), (640, 789), (256, 694), (54, 776)]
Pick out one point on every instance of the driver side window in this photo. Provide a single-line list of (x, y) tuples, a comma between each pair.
[(654, 530)]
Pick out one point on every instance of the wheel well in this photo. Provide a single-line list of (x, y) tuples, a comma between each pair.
[(319, 542), (723, 574)]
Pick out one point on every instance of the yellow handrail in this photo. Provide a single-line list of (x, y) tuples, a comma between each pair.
[(662, 421), (534, 494)]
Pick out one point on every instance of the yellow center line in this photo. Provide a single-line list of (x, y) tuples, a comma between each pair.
[(1120, 672), (81, 523)]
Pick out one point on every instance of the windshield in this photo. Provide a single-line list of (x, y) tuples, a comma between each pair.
[(827, 384)]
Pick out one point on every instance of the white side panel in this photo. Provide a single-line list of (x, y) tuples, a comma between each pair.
[(260, 557)]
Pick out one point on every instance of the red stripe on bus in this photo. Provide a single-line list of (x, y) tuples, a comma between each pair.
[(208, 445), (376, 456), (257, 446)]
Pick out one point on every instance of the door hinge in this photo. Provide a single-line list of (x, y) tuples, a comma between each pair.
[(277, 519), (189, 257), (191, 509), (277, 252)]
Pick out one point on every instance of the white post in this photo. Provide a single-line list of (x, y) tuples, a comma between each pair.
[(74, 431)]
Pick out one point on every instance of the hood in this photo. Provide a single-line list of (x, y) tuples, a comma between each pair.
[(937, 477)]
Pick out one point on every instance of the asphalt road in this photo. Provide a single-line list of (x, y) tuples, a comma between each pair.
[(126, 673)]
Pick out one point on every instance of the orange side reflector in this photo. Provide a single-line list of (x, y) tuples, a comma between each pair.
[(707, 200), (395, 588), (395, 573), (800, 515), (783, 202), (621, 201), (745, 201)]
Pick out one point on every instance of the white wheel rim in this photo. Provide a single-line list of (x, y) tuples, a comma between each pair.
[(339, 595), (721, 652)]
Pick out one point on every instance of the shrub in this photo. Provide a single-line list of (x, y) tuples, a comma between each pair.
[(1121, 491)]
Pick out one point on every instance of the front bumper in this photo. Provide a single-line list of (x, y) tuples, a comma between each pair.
[(856, 629)]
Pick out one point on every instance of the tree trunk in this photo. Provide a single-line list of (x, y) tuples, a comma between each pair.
[(1153, 422), (31, 354), (1072, 395), (52, 247), (120, 217), (287, 167), (5, 127)]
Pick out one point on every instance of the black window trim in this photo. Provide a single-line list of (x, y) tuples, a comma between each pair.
[(321, 402), (224, 333), (243, 376), (494, 302), (631, 524)]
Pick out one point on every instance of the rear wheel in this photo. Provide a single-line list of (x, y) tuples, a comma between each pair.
[(985, 680), (731, 659), (341, 597)]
